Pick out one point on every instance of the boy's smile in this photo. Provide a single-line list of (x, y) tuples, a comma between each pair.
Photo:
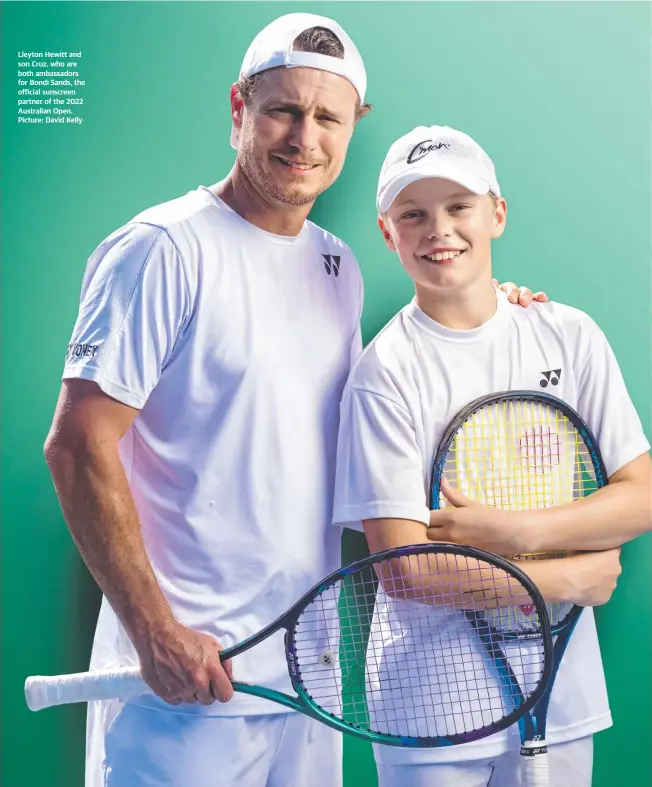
[(442, 233)]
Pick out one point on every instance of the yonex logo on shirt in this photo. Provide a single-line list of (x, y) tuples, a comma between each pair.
[(552, 376), (82, 350), (332, 263), (423, 148)]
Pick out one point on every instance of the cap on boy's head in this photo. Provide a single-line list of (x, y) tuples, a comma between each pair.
[(435, 152), (273, 47)]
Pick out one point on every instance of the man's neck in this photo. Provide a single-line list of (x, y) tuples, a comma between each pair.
[(461, 310), (240, 195)]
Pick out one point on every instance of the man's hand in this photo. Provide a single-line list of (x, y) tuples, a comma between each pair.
[(520, 295), (182, 665), (477, 525)]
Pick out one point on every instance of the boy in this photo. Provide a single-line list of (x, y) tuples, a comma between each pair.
[(440, 207)]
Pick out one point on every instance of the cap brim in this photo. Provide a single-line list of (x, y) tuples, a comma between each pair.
[(455, 174)]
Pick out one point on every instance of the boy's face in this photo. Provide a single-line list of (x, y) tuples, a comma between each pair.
[(435, 218)]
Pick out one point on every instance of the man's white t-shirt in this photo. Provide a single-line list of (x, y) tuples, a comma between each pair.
[(235, 345), (408, 385)]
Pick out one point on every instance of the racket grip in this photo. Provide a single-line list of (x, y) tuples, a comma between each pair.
[(44, 692), (535, 764)]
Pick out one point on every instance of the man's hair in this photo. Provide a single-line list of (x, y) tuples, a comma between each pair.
[(318, 40)]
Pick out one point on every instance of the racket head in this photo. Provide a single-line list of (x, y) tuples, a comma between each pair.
[(519, 450), (346, 684)]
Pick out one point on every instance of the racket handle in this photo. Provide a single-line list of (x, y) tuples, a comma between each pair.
[(535, 764), (44, 692)]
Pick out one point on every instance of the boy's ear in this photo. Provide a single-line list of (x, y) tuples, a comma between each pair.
[(386, 235), (500, 217)]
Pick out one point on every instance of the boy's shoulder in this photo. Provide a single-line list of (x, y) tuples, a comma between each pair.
[(384, 362), (560, 316)]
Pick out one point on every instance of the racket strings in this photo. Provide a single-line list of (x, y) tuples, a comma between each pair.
[(521, 454), (406, 656)]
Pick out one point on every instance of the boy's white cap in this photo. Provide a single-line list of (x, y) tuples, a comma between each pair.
[(272, 47), (435, 152)]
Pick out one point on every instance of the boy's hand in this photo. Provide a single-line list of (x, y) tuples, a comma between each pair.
[(477, 525)]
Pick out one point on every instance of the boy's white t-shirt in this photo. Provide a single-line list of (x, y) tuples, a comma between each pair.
[(235, 345), (408, 385)]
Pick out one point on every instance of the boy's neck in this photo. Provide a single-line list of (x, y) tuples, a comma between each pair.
[(459, 309)]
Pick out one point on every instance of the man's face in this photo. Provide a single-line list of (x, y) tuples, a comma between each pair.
[(442, 233), (294, 132)]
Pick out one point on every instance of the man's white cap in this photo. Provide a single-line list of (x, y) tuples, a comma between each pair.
[(272, 47), (435, 152)]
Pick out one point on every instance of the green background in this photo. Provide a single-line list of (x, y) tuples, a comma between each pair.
[(558, 93)]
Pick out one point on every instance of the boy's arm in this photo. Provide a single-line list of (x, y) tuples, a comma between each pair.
[(586, 579), (608, 518)]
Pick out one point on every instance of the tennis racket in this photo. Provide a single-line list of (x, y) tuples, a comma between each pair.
[(330, 653), (522, 450)]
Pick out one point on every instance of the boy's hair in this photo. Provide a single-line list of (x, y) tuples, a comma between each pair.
[(320, 41)]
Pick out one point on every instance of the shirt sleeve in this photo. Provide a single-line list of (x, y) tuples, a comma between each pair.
[(604, 402), (134, 304), (379, 469), (356, 343)]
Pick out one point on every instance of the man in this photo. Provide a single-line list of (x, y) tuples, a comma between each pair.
[(440, 207), (194, 442)]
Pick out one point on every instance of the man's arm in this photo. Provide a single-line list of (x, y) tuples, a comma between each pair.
[(82, 453), (586, 579)]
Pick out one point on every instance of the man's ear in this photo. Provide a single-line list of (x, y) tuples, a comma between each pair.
[(237, 106), (389, 242)]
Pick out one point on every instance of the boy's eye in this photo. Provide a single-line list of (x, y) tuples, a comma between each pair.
[(412, 214), (456, 208)]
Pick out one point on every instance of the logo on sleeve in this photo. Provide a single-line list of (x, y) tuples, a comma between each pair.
[(552, 377), (82, 350), (332, 263)]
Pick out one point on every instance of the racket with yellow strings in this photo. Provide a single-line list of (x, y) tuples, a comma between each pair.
[(514, 451)]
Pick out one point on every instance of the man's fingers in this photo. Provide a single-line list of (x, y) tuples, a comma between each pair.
[(204, 694), (540, 297), (220, 683), (228, 668), (525, 296)]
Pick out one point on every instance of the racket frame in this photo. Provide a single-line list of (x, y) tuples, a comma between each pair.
[(304, 703), (531, 725)]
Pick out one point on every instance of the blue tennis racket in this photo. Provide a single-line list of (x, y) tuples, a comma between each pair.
[(343, 677), (522, 450)]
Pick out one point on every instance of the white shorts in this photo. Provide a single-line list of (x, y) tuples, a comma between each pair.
[(571, 765), (150, 748)]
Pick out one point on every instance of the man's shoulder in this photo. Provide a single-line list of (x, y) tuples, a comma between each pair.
[(330, 242), (181, 210)]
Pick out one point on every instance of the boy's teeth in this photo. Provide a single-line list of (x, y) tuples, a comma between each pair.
[(443, 255)]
